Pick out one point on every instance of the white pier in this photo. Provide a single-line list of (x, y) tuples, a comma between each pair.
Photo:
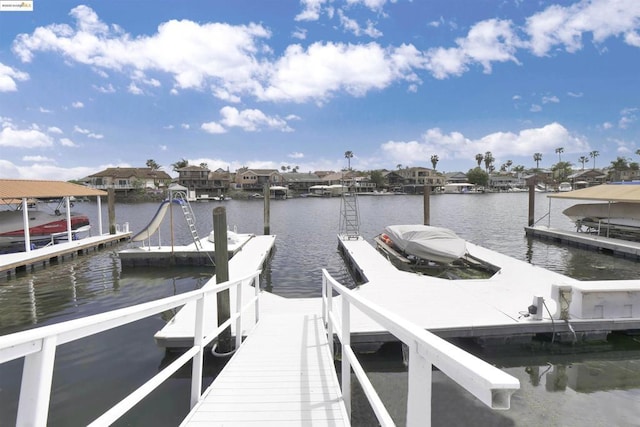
[(486, 308), (282, 375), (52, 253)]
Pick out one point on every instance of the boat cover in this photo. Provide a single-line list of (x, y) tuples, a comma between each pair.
[(424, 241), (620, 213)]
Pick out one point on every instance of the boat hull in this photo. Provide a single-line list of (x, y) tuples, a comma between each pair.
[(42, 226)]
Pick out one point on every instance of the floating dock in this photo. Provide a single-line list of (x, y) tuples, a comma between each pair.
[(618, 247), (494, 310), (18, 261), (194, 254)]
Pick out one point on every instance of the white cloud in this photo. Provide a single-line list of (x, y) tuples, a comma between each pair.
[(628, 116), (550, 99), (105, 89), (78, 129), (535, 108), (311, 11), (457, 146), (24, 138), (564, 27), (486, 42), (77, 104), (185, 126), (213, 127), (251, 120), (296, 155), (9, 76), (37, 159), (607, 125), (320, 70), (134, 89), (45, 110), (66, 142), (299, 33), (55, 129), (575, 94)]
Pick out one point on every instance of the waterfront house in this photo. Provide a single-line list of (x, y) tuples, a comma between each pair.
[(587, 178), (124, 179), (254, 179), (200, 180)]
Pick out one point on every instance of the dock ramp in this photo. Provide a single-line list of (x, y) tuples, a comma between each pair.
[(283, 374)]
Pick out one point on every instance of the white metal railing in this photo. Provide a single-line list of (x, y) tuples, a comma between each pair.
[(38, 347), (489, 384)]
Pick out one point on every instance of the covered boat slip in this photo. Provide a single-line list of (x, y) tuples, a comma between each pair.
[(614, 229), (12, 190)]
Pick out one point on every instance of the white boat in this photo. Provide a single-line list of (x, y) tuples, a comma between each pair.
[(616, 213), (43, 226), (462, 188), (563, 187), (425, 242)]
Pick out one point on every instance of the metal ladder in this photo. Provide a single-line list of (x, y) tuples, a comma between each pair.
[(349, 216), (188, 216)]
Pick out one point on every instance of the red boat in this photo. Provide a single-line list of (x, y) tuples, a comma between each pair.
[(42, 226)]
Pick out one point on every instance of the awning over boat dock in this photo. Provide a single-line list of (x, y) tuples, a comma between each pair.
[(24, 188), (629, 193)]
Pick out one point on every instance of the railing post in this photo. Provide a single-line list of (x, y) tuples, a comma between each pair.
[(196, 364), (35, 390), (346, 364), (239, 314), (324, 299), (256, 286), (419, 389), (329, 319)]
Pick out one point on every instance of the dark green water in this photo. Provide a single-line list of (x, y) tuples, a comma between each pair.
[(561, 385)]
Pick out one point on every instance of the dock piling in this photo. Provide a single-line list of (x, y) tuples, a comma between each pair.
[(222, 275), (267, 192), (427, 204)]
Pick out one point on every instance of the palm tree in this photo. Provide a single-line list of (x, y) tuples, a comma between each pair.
[(152, 164), (593, 155), (203, 165), (488, 160), (537, 157), (559, 151), (479, 158), (348, 155), (509, 164), (434, 161), (399, 166), (180, 164), (583, 160)]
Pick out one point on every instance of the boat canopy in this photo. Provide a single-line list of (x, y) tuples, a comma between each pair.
[(629, 193), (24, 188)]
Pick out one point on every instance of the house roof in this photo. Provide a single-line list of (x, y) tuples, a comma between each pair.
[(142, 173), (19, 189), (604, 193)]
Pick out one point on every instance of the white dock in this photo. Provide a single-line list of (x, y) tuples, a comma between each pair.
[(179, 331), (21, 260), (282, 375), (617, 247), (491, 307)]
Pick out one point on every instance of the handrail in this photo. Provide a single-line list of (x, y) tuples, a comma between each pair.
[(38, 347), (489, 384)]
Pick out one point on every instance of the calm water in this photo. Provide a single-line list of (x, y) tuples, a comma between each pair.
[(561, 386)]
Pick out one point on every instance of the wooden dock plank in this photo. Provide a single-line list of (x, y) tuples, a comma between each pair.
[(282, 373)]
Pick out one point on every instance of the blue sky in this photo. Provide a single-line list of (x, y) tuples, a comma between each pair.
[(96, 84)]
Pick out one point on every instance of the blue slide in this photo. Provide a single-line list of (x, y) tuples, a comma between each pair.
[(153, 226)]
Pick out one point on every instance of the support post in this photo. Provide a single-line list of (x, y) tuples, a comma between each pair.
[(111, 202), (427, 204), (266, 191), (222, 275), (532, 202)]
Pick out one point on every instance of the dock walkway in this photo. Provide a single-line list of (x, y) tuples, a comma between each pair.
[(21, 260), (283, 374)]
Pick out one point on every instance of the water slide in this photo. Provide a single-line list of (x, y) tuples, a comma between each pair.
[(153, 226)]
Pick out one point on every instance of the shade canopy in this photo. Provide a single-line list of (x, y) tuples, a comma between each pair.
[(19, 189), (629, 193)]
